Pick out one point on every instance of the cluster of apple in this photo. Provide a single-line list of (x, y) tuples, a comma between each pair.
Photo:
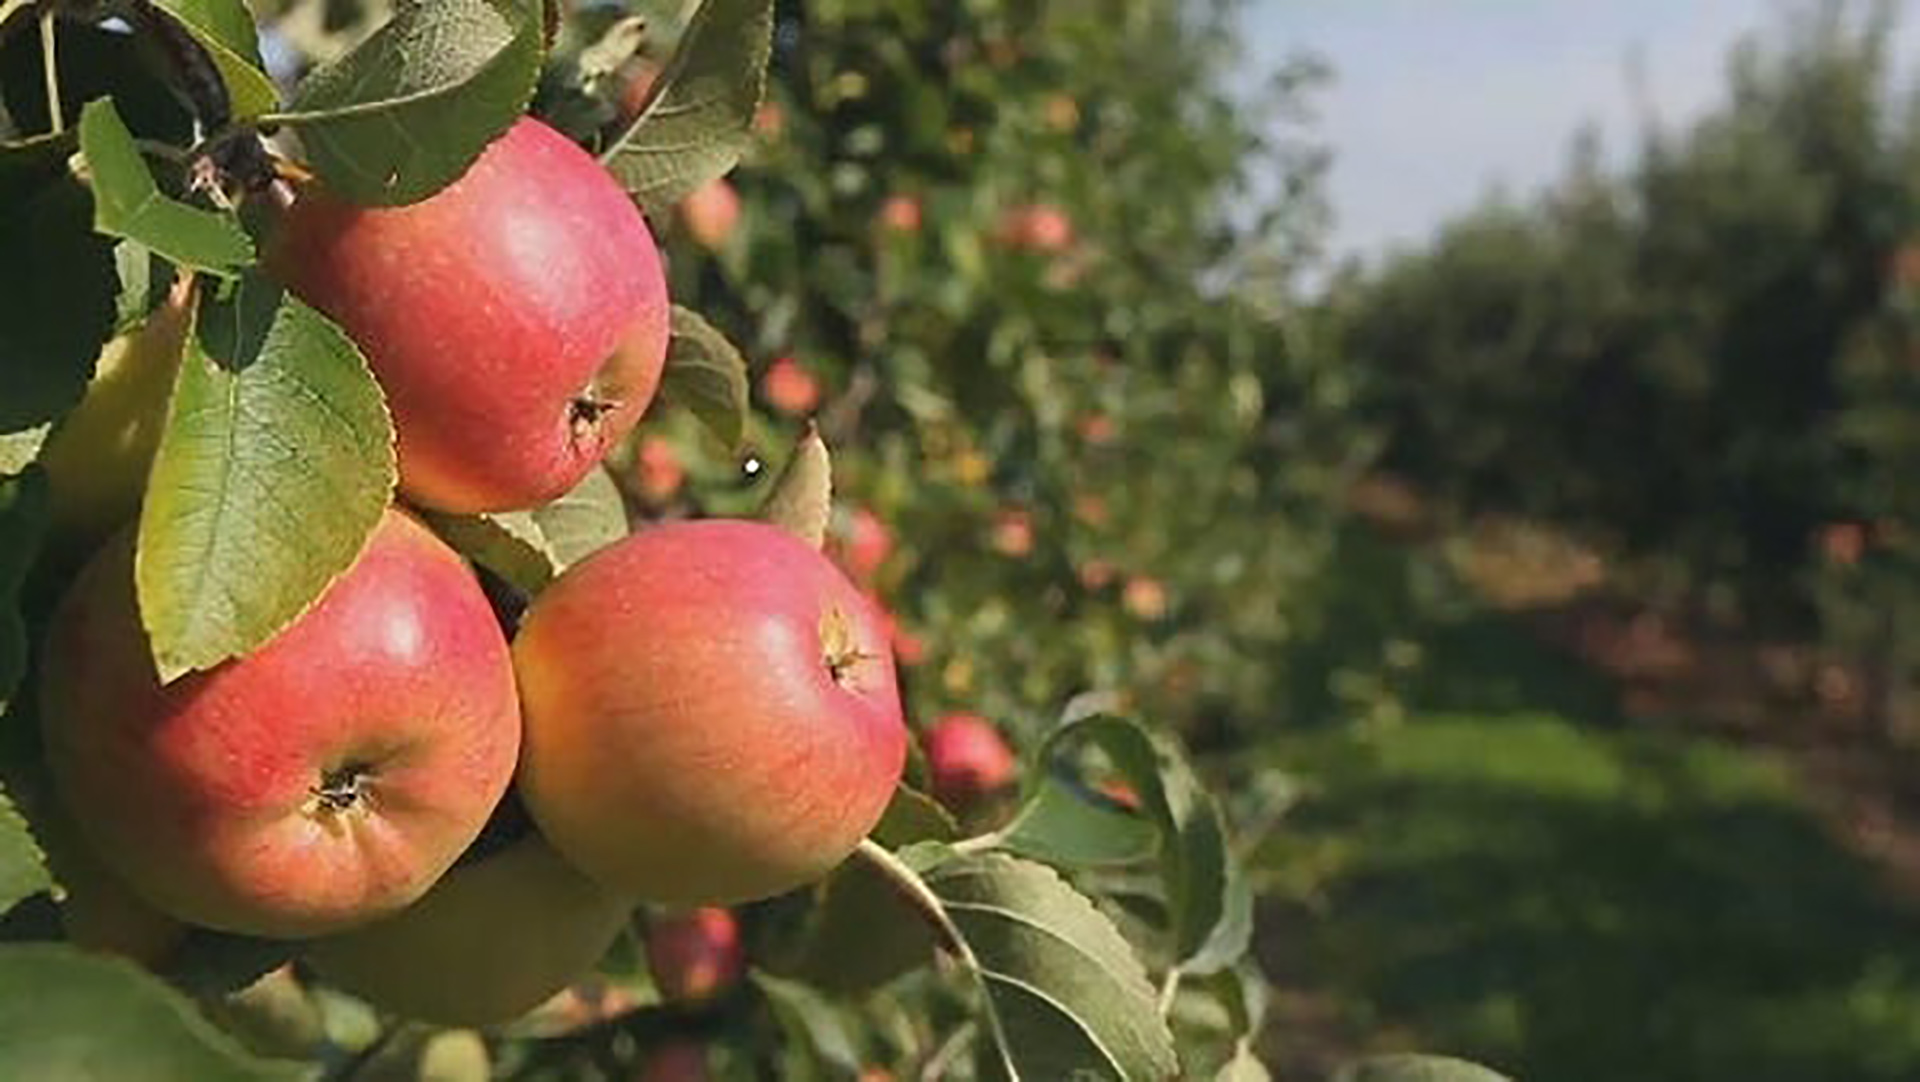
[(457, 812)]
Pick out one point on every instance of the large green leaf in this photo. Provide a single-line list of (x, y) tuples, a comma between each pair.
[(23, 867), (1066, 994), (1209, 898), (700, 118), (127, 203), (78, 1017), (409, 109), (707, 376), (276, 464), (225, 29), (57, 288), (23, 526), (1414, 1068)]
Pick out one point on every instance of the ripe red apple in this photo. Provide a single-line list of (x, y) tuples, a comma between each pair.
[(1095, 574), (679, 1060), (790, 388), (865, 545), (1013, 533), (1097, 429), (517, 319), (322, 781), (695, 955), (1039, 227), (900, 214), (967, 760), (711, 711), (711, 213), (657, 470), (1144, 597), (494, 939)]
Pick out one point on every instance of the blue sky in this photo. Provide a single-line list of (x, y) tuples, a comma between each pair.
[(1437, 99)]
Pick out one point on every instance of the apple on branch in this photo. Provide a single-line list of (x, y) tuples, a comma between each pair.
[(517, 319), (712, 714), (322, 781)]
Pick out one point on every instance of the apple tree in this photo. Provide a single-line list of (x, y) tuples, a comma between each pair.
[(357, 724)]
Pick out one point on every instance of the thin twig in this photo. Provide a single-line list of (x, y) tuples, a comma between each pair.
[(950, 1049), (1169, 988), (50, 63)]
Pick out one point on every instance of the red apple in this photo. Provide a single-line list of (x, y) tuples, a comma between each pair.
[(790, 388), (967, 760), (1097, 429), (1144, 597), (326, 779), (679, 1060), (711, 213), (494, 939), (1039, 227), (865, 545), (711, 713), (657, 471), (900, 214), (517, 319), (1095, 574), (695, 955), (1013, 533)]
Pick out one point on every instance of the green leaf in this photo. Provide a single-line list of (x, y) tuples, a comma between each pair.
[(127, 203), (70, 1015), (862, 933), (1244, 992), (508, 543), (18, 449), (1065, 993), (802, 499), (700, 118), (57, 288), (144, 279), (1063, 824), (913, 816), (23, 867), (530, 548), (225, 29), (816, 1044), (23, 527), (276, 464), (706, 376), (587, 519), (410, 109), (1414, 1068), (1209, 898)]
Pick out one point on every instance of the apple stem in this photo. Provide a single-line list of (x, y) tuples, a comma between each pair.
[(50, 63)]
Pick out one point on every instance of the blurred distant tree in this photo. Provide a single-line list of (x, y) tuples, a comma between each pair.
[(1669, 360)]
